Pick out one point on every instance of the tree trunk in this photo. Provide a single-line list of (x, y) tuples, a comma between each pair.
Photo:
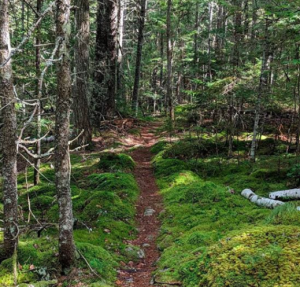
[(81, 106), (261, 201), (285, 194), (62, 130), (262, 89), (8, 138), (135, 92), (121, 22), (105, 58), (170, 108), (37, 162)]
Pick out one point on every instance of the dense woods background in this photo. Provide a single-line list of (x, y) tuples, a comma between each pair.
[(228, 70)]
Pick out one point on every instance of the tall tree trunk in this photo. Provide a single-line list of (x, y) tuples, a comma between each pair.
[(170, 108), (81, 105), (62, 130), (210, 40), (8, 138), (105, 57), (121, 23), (135, 92), (37, 162), (262, 89)]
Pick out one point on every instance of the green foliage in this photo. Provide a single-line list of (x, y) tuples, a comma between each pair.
[(104, 210), (294, 173), (112, 162)]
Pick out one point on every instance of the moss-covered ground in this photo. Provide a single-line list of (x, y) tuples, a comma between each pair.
[(211, 235), (104, 194)]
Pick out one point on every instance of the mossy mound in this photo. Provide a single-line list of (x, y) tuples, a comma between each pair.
[(100, 260), (112, 162), (261, 256), (212, 236)]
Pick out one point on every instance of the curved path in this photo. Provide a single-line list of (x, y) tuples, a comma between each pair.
[(149, 206)]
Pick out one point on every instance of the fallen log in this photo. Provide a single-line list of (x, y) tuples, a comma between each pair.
[(286, 194), (261, 201)]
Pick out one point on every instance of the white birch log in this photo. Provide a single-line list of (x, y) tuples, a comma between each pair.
[(261, 201), (290, 193)]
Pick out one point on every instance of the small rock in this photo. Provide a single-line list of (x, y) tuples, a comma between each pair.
[(150, 237), (149, 212), (141, 254), (146, 245), (129, 249)]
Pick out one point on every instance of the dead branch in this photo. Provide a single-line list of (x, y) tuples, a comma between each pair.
[(29, 34)]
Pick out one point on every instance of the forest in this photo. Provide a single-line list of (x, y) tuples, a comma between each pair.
[(150, 143)]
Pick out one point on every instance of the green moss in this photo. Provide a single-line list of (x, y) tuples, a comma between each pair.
[(202, 220), (112, 162), (261, 256), (99, 259), (158, 147), (286, 214), (104, 213)]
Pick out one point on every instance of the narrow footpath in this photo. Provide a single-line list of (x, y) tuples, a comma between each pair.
[(149, 206)]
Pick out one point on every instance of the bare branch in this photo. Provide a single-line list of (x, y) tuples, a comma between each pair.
[(35, 156), (29, 34)]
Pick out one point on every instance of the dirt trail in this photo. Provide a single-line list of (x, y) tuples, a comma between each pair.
[(149, 206)]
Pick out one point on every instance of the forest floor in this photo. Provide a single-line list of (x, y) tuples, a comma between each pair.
[(149, 206)]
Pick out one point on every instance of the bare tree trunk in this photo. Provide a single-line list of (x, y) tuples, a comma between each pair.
[(170, 108), (8, 138), (81, 105), (121, 22), (62, 130), (211, 15), (262, 89), (37, 162), (196, 36), (135, 92)]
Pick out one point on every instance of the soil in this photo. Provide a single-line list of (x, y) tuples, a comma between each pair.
[(139, 274)]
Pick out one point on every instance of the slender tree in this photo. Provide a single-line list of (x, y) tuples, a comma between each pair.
[(263, 87), (37, 162), (170, 108), (81, 62), (62, 130), (135, 93), (8, 137)]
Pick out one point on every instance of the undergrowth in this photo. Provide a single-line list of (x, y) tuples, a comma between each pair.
[(104, 211), (211, 235)]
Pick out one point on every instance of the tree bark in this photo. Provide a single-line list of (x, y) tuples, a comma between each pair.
[(262, 89), (121, 24), (106, 58), (290, 194), (8, 138), (81, 107), (135, 92), (37, 162), (170, 108), (62, 156), (261, 201)]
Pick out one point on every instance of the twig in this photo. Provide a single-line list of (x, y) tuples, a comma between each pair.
[(75, 139), (29, 203), (79, 148), (32, 165), (87, 263)]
